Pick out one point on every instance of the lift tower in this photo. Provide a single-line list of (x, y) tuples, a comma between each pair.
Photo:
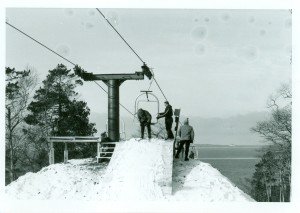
[(113, 82)]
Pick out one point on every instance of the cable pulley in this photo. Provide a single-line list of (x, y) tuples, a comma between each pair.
[(146, 71)]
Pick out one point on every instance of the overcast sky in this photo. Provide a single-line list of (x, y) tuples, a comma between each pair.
[(210, 63)]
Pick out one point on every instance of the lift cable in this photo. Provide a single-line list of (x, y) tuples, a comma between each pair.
[(150, 85), (130, 48), (160, 89), (40, 43), (120, 35), (43, 45), (119, 102)]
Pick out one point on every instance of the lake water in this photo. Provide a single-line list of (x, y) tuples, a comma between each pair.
[(237, 163)]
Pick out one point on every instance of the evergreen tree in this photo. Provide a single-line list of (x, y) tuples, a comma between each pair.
[(57, 112)]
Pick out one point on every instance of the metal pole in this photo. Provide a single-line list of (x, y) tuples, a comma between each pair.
[(51, 153), (177, 114), (66, 158), (113, 110)]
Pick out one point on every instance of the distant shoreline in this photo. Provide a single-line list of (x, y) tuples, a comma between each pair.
[(228, 158), (227, 146)]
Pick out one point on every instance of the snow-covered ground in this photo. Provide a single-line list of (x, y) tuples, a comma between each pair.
[(58, 181), (139, 170), (198, 181)]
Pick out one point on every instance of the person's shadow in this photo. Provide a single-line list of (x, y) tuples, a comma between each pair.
[(181, 170)]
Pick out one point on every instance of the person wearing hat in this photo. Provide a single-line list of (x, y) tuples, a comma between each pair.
[(186, 133), (168, 114), (145, 121)]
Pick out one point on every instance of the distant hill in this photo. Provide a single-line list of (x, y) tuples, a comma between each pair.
[(218, 131), (233, 130)]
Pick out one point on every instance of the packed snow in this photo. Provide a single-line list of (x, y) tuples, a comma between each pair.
[(58, 181), (138, 171), (198, 181)]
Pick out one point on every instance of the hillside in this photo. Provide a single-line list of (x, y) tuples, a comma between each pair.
[(139, 170)]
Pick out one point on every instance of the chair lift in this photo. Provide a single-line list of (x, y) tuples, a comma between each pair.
[(150, 98)]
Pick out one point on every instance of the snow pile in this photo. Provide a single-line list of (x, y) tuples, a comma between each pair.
[(198, 181), (138, 171), (58, 181)]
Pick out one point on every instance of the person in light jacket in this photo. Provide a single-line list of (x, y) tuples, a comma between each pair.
[(186, 133), (145, 121)]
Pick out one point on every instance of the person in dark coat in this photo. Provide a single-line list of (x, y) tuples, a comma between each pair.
[(168, 114), (145, 121), (186, 133)]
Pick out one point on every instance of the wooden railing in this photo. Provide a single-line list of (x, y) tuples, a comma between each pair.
[(104, 149)]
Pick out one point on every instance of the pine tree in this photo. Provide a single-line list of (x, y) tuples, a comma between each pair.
[(57, 112)]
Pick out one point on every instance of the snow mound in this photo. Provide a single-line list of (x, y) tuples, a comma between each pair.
[(198, 181), (58, 181), (138, 171)]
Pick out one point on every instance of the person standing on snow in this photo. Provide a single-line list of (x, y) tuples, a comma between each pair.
[(145, 121), (186, 133), (168, 114)]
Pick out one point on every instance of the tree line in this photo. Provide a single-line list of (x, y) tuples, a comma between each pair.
[(271, 181), (34, 111)]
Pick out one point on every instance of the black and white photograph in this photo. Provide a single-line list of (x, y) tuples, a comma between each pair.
[(142, 109)]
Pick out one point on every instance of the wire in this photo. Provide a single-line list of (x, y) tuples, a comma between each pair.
[(160, 89), (40, 43), (112, 98), (100, 86), (43, 45), (120, 35), (150, 85), (130, 48)]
